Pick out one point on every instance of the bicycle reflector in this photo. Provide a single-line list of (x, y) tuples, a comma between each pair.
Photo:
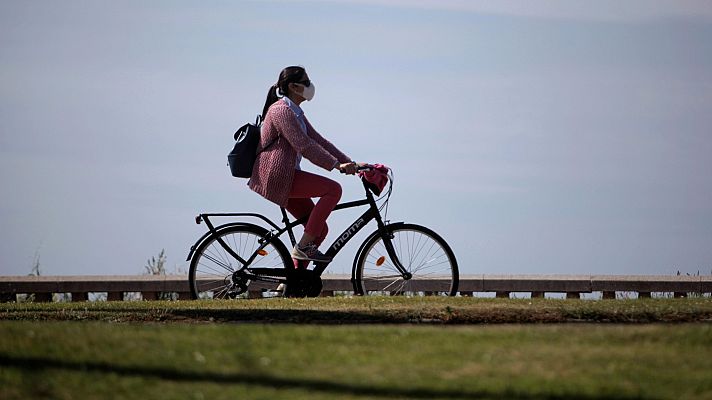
[(262, 252), (380, 261)]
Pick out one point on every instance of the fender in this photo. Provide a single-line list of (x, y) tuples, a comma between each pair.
[(363, 245), (217, 230)]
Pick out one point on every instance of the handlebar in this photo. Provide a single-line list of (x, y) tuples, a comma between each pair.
[(375, 184), (361, 167)]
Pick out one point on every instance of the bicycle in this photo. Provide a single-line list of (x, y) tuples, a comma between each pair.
[(227, 258)]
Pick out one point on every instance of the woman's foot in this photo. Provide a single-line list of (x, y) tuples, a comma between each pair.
[(309, 252)]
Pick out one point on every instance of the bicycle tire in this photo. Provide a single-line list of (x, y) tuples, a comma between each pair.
[(212, 267), (422, 252)]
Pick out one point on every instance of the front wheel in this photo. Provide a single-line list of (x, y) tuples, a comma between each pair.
[(424, 255)]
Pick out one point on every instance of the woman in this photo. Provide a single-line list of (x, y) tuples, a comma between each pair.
[(287, 136)]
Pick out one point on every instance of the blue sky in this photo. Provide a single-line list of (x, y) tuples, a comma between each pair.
[(536, 137)]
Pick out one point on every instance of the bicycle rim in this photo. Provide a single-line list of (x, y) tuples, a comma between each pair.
[(422, 253), (213, 269)]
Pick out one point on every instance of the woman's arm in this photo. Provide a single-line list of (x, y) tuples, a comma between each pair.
[(327, 145), (288, 126)]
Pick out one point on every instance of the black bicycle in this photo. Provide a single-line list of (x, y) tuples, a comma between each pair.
[(397, 258)]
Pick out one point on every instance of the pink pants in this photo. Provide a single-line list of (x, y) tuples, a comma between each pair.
[(306, 186)]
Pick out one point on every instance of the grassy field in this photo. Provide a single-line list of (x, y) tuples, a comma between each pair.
[(80, 351), (343, 310)]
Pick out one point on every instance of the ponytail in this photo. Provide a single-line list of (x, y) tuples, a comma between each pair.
[(271, 99), (287, 76)]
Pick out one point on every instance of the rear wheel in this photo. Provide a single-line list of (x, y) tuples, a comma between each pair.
[(424, 255), (214, 273)]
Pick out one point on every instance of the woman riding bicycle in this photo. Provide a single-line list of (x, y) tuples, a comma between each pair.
[(287, 137)]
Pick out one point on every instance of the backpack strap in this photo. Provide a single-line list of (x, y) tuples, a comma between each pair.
[(258, 122), (243, 128)]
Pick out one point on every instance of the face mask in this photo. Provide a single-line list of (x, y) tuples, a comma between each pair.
[(308, 92)]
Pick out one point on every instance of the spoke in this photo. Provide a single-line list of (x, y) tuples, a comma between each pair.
[(415, 257), (221, 293), (445, 262), (434, 274), (234, 241), (420, 253), (216, 261), (239, 247), (254, 245), (402, 286), (430, 249), (391, 284), (407, 259), (224, 254), (221, 252), (212, 288), (384, 277), (211, 271), (214, 264), (407, 240), (385, 267), (431, 263), (445, 279), (218, 255)]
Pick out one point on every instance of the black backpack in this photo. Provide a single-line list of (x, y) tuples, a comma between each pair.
[(242, 157)]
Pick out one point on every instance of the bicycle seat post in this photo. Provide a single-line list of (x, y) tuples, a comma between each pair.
[(285, 220)]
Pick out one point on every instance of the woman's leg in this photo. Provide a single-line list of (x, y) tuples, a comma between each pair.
[(304, 187), (300, 208)]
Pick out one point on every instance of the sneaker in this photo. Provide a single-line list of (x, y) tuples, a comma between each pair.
[(309, 253)]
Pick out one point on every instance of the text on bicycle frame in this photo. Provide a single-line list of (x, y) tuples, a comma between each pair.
[(348, 233)]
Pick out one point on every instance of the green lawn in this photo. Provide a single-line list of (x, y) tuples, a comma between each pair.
[(99, 360), (358, 348), (440, 310)]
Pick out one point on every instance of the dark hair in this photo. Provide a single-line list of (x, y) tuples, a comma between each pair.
[(288, 75)]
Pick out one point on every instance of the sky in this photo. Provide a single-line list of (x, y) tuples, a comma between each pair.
[(537, 137)]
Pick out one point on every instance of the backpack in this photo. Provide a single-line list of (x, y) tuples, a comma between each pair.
[(242, 157)]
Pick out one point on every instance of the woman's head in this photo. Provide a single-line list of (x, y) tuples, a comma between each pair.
[(292, 81)]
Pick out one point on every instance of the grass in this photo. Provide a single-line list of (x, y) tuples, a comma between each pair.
[(63, 360), (440, 310), (78, 350)]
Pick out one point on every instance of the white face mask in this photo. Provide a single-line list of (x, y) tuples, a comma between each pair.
[(308, 91)]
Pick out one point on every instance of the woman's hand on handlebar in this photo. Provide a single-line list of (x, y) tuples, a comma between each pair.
[(348, 168)]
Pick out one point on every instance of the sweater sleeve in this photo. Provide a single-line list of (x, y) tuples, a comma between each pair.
[(327, 145), (303, 144)]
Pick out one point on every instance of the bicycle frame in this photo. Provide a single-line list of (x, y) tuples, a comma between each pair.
[(370, 214)]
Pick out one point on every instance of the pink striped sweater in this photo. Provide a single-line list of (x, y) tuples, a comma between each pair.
[(274, 167)]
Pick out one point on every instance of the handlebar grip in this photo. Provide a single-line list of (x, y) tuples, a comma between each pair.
[(359, 168), (364, 167)]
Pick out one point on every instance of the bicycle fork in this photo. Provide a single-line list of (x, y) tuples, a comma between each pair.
[(386, 236)]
